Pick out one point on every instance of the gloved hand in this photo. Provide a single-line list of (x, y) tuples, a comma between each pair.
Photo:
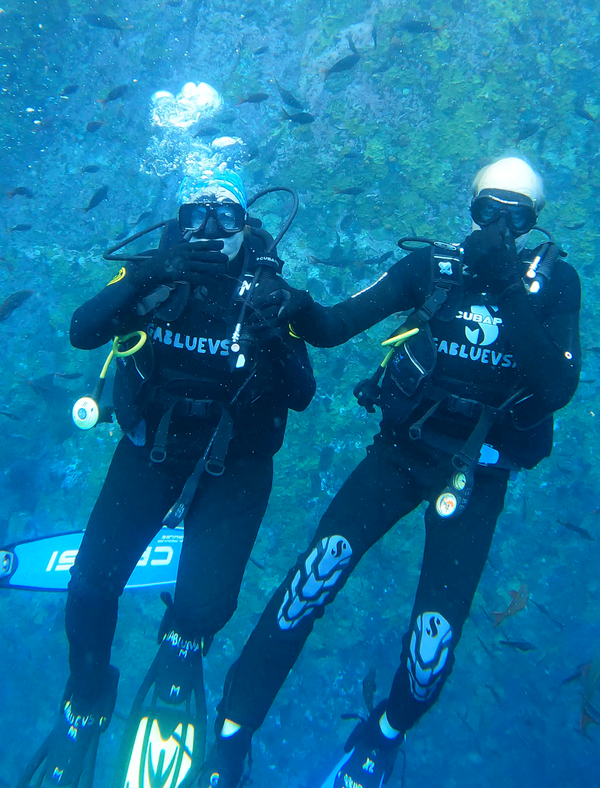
[(173, 264), (161, 268), (491, 255), (196, 256), (274, 303), (263, 308)]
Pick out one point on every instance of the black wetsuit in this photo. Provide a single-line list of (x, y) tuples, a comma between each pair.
[(485, 349), (187, 365)]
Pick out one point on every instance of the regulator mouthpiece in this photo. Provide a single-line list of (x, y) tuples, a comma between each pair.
[(85, 413)]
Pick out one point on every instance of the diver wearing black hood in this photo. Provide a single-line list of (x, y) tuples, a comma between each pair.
[(467, 393), (204, 407)]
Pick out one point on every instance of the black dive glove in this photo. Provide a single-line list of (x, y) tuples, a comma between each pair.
[(274, 304), (200, 254), (491, 255), (161, 268), (174, 264)]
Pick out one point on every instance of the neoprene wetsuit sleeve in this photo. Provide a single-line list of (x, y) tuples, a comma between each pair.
[(405, 286), (109, 313), (547, 349)]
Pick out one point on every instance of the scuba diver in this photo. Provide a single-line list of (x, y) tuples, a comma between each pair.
[(467, 390), (203, 405)]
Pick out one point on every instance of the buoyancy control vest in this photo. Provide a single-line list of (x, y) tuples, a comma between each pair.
[(219, 368), (406, 388)]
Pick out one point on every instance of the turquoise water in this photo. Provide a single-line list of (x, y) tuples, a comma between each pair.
[(403, 130)]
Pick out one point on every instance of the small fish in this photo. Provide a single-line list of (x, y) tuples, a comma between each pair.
[(580, 673), (466, 723), (69, 375), (93, 126), (417, 26), (520, 645), (115, 93), (10, 416), (69, 90), (374, 36), (45, 388), (345, 64), (261, 50), (485, 648), (383, 67), (351, 190), (543, 609), (336, 259), (90, 168), (20, 228), (376, 260), (287, 97), (347, 221), (254, 98), (576, 226), (98, 196), (352, 715), (142, 217), (590, 711), (369, 688), (101, 20), (301, 118), (13, 302), (494, 692), (582, 112), (257, 564), (527, 130), (20, 191), (519, 602), (577, 529), (206, 131)]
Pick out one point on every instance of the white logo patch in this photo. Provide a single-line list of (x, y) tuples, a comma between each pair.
[(486, 332), (445, 268)]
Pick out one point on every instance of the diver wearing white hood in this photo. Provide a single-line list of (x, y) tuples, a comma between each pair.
[(467, 391)]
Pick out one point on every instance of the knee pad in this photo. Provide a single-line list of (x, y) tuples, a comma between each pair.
[(315, 581), (429, 648)]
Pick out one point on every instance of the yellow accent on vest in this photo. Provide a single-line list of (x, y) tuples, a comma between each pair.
[(118, 277)]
